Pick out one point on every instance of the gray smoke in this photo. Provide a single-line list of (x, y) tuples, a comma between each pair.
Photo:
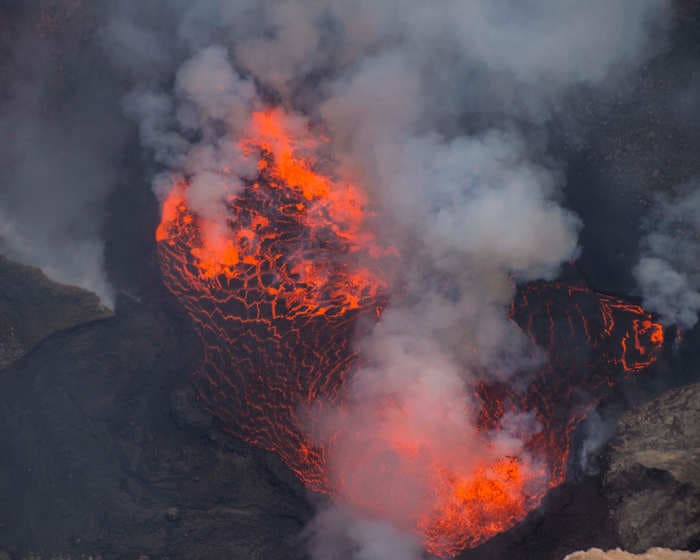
[(440, 115), (338, 533), (401, 67), (208, 93), (668, 271), (596, 433), (62, 141)]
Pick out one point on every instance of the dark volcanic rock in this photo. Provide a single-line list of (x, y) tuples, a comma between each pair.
[(653, 479), (97, 455), (32, 308)]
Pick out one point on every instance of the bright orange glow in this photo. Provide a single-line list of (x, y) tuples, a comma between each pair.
[(328, 216), (276, 294), (470, 510), (173, 206)]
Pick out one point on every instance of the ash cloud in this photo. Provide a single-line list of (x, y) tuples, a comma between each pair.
[(397, 84), (668, 271)]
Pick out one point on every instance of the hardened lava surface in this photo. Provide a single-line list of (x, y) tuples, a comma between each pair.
[(278, 291)]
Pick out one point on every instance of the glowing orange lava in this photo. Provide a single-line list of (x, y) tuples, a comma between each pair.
[(277, 293), (491, 500)]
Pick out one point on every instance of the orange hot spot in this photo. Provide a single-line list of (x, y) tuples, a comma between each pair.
[(173, 206), (471, 509), (452, 495), (269, 132)]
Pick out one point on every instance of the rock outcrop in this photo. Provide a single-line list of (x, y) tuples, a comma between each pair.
[(617, 554), (653, 478), (102, 456), (32, 308)]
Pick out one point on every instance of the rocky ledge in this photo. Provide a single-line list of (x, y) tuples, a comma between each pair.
[(32, 308), (617, 554), (652, 483)]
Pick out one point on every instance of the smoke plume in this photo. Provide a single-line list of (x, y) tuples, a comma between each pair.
[(668, 271), (63, 138), (440, 115)]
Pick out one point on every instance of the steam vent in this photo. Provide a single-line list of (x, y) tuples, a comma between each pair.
[(335, 280)]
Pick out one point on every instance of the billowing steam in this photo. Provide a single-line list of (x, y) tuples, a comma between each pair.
[(668, 271), (396, 84)]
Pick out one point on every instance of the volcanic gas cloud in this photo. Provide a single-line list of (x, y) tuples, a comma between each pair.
[(283, 284)]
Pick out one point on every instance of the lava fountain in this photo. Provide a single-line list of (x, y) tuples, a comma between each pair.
[(277, 293)]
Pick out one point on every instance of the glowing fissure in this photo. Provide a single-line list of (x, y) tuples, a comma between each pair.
[(277, 294)]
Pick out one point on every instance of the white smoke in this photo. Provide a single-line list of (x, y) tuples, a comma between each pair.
[(668, 271), (211, 102), (397, 84), (338, 533)]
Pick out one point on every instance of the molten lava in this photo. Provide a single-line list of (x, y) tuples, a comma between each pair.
[(590, 338), (277, 292)]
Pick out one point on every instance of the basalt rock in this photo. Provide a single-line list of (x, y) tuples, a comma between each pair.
[(653, 478)]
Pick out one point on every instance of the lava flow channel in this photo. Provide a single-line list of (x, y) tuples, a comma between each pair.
[(277, 295)]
